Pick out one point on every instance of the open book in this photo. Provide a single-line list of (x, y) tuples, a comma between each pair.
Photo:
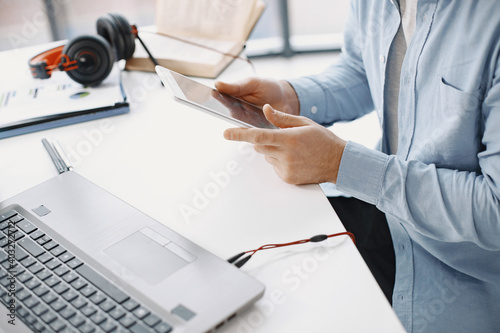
[(197, 37)]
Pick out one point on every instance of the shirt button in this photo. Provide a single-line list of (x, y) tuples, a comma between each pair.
[(314, 109), (382, 58)]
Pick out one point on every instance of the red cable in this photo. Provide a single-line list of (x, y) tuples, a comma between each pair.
[(273, 246)]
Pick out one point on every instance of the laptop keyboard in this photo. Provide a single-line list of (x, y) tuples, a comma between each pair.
[(55, 291)]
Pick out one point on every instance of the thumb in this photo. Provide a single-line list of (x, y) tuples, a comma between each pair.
[(282, 119)]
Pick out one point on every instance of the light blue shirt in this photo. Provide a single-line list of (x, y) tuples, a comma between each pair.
[(441, 192)]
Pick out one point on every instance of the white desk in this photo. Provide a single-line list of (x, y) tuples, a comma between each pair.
[(162, 155)]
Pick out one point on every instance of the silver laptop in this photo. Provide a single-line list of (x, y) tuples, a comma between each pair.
[(85, 261)]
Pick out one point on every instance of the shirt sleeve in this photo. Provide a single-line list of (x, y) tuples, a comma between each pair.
[(442, 204), (341, 92)]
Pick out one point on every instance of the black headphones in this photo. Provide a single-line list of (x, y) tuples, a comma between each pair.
[(88, 59)]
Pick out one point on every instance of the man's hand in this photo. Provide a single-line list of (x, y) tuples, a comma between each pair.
[(301, 152), (279, 94)]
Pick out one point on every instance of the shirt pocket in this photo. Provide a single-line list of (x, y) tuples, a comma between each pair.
[(454, 101), (459, 127), (450, 131)]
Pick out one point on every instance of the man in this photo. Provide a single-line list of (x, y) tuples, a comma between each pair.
[(432, 71)]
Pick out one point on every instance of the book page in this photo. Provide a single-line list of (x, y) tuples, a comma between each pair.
[(190, 49), (216, 19)]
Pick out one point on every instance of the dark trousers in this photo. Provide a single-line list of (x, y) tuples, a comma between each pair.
[(373, 238)]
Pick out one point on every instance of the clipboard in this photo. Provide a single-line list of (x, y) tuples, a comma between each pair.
[(38, 105)]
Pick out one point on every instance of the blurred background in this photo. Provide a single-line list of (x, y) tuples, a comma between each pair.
[(287, 27)]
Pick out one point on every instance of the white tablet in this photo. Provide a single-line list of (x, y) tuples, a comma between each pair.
[(207, 99)]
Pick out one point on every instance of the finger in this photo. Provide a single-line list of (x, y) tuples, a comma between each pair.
[(273, 161), (239, 88), (255, 135), (283, 120), (271, 151)]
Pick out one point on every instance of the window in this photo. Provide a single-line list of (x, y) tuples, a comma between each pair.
[(286, 26)]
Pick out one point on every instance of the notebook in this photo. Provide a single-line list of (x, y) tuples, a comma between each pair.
[(85, 261)]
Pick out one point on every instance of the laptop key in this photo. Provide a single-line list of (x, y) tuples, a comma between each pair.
[(65, 257), (108, 326), (49, 298), (37, 234), (32, 284), (39, 309), (60, 271), (67, 313), (98, 318), (97, 298), (4, 225), (42, 275), (141, 312), (74, 263), (57, 251), (20, 254), (107, 306), (127, 321), (40, 290), (37, 267), (117, 313), (77, 320), (139, 328), (57, 325), (43, 240), (87, 328), (89, 310), (58, 305), (28, 262), (26, 226), (52, 281), (79, 284), (24, 277), (50, 245), (16, 219), (61, 288), (22, 295), (33, 248), (4, 256), (107, 287), (48, 317), (53, 264), (18, 235), (39, 327), (7, 215), (88, 291), (70, 277), (130, 305), (152, 320), (31, 302), (163, 328), (79, 303), (70, 295), (44, 258)]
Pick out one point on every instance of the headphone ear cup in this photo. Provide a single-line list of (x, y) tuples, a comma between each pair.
[(95, 59), (118, 32), (125, 32)]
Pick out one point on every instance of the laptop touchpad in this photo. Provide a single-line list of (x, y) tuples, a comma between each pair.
[(145, 258)]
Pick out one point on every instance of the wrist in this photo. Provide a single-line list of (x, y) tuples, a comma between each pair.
[(337, 158), (291, 98)]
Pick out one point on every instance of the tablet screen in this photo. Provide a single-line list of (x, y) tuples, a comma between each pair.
[(221, 103)]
